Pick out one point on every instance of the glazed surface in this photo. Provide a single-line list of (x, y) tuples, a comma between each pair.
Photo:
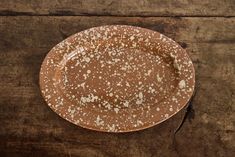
[(117, 78)]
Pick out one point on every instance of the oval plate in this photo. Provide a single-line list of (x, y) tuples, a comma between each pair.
[(117, 78)]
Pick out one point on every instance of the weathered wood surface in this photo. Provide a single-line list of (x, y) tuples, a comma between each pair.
[(30, 128), (222, 8)]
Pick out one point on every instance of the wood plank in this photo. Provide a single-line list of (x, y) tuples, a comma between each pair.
[(223, 8), (29, 127), (48, 31)]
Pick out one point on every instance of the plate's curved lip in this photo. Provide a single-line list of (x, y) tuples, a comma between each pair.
[(129, 129)]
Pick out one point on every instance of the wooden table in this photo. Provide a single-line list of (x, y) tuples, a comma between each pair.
[(29, 29)]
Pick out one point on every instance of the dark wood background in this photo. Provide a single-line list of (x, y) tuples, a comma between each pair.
[(29, 29)]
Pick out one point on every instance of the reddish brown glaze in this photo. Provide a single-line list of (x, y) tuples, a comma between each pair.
[(117, 78)]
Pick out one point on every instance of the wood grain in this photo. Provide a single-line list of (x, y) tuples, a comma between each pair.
[(30, 128), (225, 8)]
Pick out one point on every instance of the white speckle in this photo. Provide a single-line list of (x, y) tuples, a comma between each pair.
[(83, 85), (111, 128), (119, 84), (109, 62), (159, 79), (85, 76), (171, 109), (88, 71), (182, 84), (77, 121), (99, 121), (149, 72), (151, 90), (126, 103), (84, 99), (138, 102), (65, 78), (87, 59), (72, 111), (139, 122), (110, 94), (83, 52), (116, 110), (166, 115), (123, 68), (132, 38), (174, 99), (158, 109), (176, 65), (93, 97), (108, 106), (134, 44), (98, 35), (116, 60), (130, 58), (141, 95), (89, 98)]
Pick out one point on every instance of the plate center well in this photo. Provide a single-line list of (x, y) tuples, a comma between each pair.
[(116, 77)]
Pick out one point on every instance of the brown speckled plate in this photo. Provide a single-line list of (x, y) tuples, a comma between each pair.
[(117, 78)]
